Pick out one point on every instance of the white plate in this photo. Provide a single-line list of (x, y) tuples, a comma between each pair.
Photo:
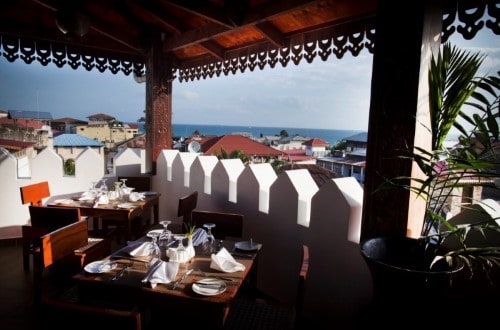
[(148, 193), (100, 266), (126, 205), (246, 246), (213, 288), (63, 201), (154, 232)]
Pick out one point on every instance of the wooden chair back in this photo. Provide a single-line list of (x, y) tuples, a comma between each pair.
[(140, 183), (63, 305), (34, 194), (226, 224), (187, 204), (44, 219), (53, 217), (60, 314)]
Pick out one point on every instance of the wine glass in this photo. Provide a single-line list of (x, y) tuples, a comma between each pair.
[(123, 183), (154, 251), (208, 246), (166, 234), (103, 187), (180, 238)]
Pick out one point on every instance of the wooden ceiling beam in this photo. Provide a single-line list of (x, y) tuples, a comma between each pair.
[(255, 15), (193, 36), (271, 9), (214, 49), (212, 13), (150, 11), (271, 33)]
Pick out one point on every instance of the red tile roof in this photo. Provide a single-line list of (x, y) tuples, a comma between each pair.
[(316, 143), (14, 144), (102, 116), (22, 123), (296, 155), (234, 142)]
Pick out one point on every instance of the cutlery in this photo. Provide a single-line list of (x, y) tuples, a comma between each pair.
[(211, 285), (224, 278), (176, 283), (243, 255), (151, 270), (117, 275)]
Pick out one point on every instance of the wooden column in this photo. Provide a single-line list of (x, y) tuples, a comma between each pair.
[(406, 34), (158, 103)]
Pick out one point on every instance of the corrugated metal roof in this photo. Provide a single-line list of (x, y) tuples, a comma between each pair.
[(75, 140), (24, 114), (360, 137)]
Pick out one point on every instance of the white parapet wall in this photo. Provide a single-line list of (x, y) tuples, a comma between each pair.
[(282, 212)]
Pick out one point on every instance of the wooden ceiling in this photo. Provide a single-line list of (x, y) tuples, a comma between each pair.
[(205, 37)]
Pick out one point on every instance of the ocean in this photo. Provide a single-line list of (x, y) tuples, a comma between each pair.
[(332, 136)]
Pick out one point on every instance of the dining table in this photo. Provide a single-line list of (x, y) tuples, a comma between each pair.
[(178, 303), (114, 210)]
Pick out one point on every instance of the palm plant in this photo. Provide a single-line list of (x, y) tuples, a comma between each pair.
[(452, 85)]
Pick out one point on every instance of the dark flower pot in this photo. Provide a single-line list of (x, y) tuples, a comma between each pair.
[(400, 269), (404, 282)]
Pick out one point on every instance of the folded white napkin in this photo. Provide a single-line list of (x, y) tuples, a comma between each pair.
[(225, 262), (199, 236), (87, 196), (103, 199), (163, 272), (135, 196), (141, 250)]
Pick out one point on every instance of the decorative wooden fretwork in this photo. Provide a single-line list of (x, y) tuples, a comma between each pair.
[(467, 18)]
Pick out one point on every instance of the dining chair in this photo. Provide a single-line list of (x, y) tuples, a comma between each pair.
[(58, 298), (255, 310), (44, 219), (35, 193), (186, 206), (226, 224), (139, 223)]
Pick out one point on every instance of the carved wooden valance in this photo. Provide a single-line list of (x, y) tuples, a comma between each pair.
[(331, 41)]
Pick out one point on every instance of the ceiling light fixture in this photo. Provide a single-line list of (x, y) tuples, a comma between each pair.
[(72, 22)]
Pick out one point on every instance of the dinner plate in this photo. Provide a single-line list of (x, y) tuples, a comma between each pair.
[(65, 201), (154, 232), (126, 206), (247, 246), (148, 193), (209, 287), (100, 266)]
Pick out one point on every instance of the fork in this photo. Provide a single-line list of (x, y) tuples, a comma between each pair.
[(224, 278), (117, 275)]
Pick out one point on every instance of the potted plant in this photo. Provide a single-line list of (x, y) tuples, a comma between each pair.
[(437, 268)]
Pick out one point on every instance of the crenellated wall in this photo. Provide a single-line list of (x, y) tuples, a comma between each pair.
[(281, 211)]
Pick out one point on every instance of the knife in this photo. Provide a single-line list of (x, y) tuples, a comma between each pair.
[(117, 275), (151, 270), (242, 255), (176, 283)]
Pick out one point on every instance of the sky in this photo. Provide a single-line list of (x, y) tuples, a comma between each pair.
[(329, 95)]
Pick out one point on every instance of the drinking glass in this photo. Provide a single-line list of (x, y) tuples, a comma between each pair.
[(155, 252), (208, 246), (180, 238), (103, 187), (166, 234)]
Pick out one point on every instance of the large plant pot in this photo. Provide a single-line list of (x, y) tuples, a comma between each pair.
[(403, 281), (401, 273)]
